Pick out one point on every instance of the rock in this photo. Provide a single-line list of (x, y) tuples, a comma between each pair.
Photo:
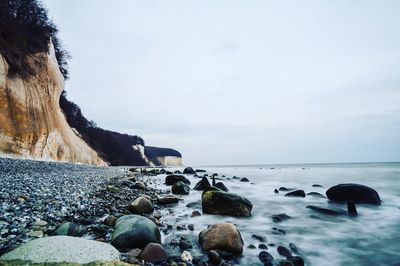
[(70, 229), (134, 231), (132, 256), (351, 208), (276, 191), (244, 179), (278, 231), (36, 234), (184, 244), (258, 237), (316, 194), (296, 261), (141, 205), (153, 253), (284, 252), (189, 171), (323, 210), (265, 257), (218, 202), (353, 193), (186, 256), (172, 179), (200, 171), (191, 227), (221, 186), (110, 220), (224, 236), (293, 248), (63, 249), (285, 189), (285, 263), (195, 214), (180, 188), (139, 185), (262, 246), (163, 171), (296, 193), (251, 246), (202, 185), (316, 185), (277, 218), (112, 189), (214, 257), (177, 172), (168, 199)]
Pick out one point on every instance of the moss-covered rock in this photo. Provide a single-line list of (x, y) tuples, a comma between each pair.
[(219, 202)]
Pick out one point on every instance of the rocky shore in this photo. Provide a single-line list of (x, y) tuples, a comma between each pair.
[(59, 212)]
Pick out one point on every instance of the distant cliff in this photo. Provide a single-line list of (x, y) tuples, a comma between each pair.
[(36, 119)]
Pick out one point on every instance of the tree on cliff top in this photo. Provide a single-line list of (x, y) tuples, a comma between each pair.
[(25, 29)]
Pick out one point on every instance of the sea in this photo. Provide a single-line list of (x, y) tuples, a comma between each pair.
[(371, 238)]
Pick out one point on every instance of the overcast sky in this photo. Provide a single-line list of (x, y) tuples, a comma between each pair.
[(240, 82)]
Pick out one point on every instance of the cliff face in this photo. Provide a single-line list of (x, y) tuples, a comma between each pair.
[(31, 122)]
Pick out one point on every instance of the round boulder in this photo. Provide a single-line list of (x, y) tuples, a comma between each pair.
[(134, 231), (223, 236), (153, 253), (219, 202), (180, 188), (172, 179), (167, 199), (203, 184), (70, 229), (141, 205), (189, 171), (353, 193)]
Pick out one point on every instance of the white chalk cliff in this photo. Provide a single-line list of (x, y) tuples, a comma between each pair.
[(31, 122)]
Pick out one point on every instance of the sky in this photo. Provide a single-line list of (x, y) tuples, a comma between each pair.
[(240, 82)]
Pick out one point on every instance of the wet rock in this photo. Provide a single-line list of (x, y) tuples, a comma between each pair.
[(202, 185), (323, 210), (351, 208), (316, 194), (251, 246), (214, 258), (184, 244), (283, 251), (167, 199), (316, 185), (134, 231), (200, 171), (191, 227), (294, 248), (278, 231), (244, 179), (153, 253), (180, 188), (353, 193), (277, 218), (53, 249), (296, 261), (218, 202), (221, 186), (265, 257), (177, 172), (296, 193), (163, 171), (258, 237), (223, 237), (285, 263), (139, 185), (110, 220), (195, 214), (186, 256), (195, 204), (285, 189), (172, 179), (70, 229), (276, 191), (189, 171), (141, 205), (262, 246)]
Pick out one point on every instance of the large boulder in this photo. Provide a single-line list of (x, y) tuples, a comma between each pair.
[(353, 193), (189, 171), (223, 236), (219, 202), (172, 179), (63, 249), (141, 205), (203, 184), (180, 188), (134, 231)]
